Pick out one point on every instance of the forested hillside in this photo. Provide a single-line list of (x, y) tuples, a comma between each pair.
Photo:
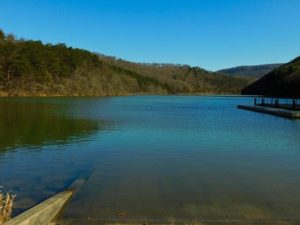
[(33, 68), (250, 71), (184, 78), (282, 82)]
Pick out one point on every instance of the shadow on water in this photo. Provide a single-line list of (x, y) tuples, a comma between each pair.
[(34, 124)]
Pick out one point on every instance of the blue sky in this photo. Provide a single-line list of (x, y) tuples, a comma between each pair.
[(212, 34)]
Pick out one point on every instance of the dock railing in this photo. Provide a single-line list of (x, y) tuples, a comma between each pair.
[(282, 103)]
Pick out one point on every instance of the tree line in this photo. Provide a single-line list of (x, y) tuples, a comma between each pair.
[(32, 60)]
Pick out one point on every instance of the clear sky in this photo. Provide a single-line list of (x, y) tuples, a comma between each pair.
[(212, 34)]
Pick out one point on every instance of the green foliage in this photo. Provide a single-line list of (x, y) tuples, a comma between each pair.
[(42, 63)]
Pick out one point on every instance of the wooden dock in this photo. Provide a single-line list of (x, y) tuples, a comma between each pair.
[(287, 113)]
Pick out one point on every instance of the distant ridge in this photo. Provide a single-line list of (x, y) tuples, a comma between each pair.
[(256, 71), (281, 82)]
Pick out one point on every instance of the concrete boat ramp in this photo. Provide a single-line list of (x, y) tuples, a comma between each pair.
[(286, 113), (49, 210), (44, 213)]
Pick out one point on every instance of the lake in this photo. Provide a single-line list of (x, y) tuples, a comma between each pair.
[(160, 159)]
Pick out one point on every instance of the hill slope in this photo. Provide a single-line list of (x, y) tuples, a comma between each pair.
[(33, 68), (250, 71), (184, 78), (281, 82)]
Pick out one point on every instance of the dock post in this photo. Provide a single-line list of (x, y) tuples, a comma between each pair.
[(263, 102), (276, 102), (255, 102), (294, 104)]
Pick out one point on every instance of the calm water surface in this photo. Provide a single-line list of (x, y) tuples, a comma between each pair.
[(159, 159)]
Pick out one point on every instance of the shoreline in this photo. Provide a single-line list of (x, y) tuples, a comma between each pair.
[(6, 95)]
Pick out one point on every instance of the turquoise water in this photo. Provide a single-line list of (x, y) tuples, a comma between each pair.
[(157, 158)]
